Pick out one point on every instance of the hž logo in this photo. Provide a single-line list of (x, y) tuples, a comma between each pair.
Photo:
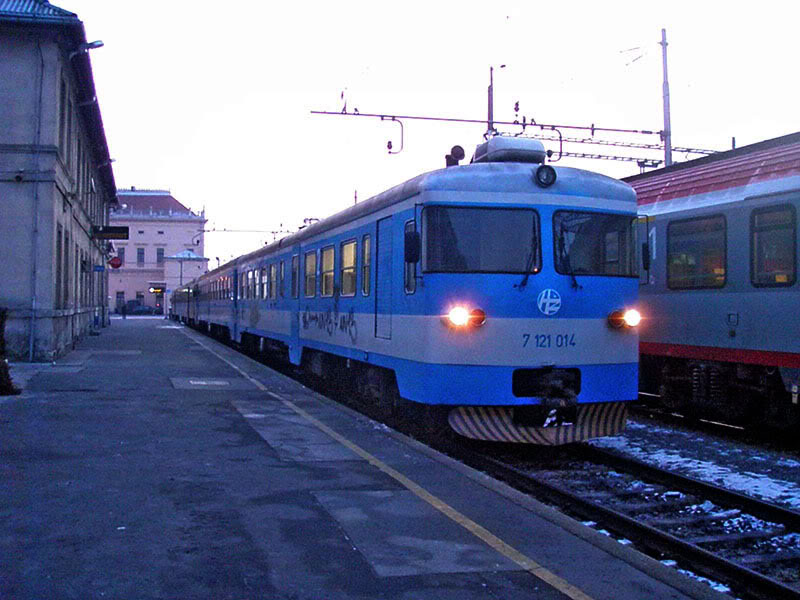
[(549, 302)]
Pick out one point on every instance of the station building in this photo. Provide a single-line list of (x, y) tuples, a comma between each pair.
[(164, 248), (56, 182)]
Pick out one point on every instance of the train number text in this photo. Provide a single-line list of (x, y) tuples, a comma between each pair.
[(548, 340)]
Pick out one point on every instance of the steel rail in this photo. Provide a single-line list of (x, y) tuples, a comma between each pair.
[(745, 581)]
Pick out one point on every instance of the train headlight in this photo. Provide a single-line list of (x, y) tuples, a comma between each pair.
[(544, 176), (627, 318), (460, 317), (632, 317)]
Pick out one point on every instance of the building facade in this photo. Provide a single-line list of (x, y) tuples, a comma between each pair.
[(164, 248), (56, 182)]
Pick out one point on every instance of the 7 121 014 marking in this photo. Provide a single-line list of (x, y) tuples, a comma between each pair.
[(548, 340)]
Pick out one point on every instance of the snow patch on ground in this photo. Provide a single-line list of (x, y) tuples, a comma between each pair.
[(750, 470)]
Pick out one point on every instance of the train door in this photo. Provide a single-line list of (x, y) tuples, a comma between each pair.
[(645, 248), (383, 279)]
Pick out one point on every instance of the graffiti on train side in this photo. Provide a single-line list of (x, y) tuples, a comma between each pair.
[(331, 321)]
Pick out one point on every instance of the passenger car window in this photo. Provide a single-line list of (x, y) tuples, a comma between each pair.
[(311, 274), (347, 274), (773, 246), (326, 272), (696, 253), (365, 264)]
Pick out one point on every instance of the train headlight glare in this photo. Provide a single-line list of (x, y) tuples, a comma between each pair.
[(458, 316), (624, 318), (461, 317), (632, 317)]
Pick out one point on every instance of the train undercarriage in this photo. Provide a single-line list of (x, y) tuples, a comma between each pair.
[(734, 393)]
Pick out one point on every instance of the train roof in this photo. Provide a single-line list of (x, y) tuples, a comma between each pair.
[(762, 168), (501, 177)]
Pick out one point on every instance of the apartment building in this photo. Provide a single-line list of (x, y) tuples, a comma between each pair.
[(164, 248)]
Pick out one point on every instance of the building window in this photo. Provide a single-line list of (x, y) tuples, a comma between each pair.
[(62, 118), (773, 246), (696, 253), (347, 274), (121, 254), (160, 233), (410, 267), (120, 300), (326, 272), (140, 257), (295, 276), (365, 264), (59, 266), (140, 297), (311, 274), (141, 232), (160, 256)]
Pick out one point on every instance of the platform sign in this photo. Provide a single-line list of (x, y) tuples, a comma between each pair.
[(110, 232), (99, 268)]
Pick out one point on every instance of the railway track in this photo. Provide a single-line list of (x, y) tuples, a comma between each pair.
[(751, 546)]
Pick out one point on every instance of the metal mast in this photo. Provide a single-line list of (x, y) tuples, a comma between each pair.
[(667, 127)]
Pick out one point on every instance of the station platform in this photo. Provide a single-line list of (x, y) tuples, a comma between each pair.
[(153, 462)]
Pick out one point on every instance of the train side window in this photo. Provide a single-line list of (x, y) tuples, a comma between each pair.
[(295, 276), (263, 282), (273, 281), (366, 259), (326, 272), (773, 246), (696, 253), (282, 277), (410, 274), (249, 284), (311, 274), (347, 274)]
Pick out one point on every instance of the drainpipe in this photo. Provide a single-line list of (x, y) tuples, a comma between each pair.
[(35, 233)]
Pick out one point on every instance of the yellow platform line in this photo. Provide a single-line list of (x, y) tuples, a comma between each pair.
[(474, 528)]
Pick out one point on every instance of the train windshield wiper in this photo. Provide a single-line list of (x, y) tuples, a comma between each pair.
[(565, 262), (533, 255)]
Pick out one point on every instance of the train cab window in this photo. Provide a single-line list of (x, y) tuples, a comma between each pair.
[(326, 272), (588, 243), (273, 281), (480, 240), (295, 276), (696, 253), (347, 273), (365, 264), (410, 271), (310, 288), (773, 246)]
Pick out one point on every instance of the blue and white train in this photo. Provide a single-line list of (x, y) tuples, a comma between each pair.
[(500, 294)]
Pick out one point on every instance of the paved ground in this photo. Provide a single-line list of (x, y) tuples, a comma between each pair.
[(144, 465)]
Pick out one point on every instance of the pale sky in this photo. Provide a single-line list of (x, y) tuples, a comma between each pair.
[(212, 100)]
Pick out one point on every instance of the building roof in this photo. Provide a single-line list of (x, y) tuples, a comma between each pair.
[(135, 202), (777, 158), (35, 9), (41, 15)]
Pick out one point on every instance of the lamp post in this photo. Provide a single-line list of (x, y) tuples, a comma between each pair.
[(491, 98)]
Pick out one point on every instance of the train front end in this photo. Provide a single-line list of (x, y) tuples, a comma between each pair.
[(530, 282)]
